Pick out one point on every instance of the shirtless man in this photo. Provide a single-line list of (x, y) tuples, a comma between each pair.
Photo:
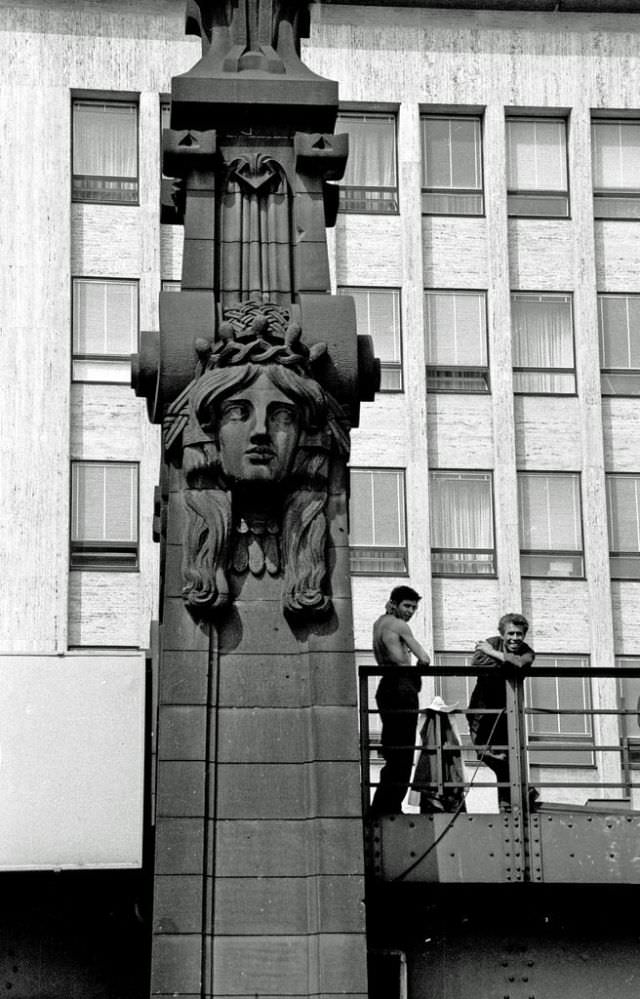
[(397, 697)]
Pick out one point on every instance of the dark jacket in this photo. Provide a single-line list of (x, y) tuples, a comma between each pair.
[(490, 691)]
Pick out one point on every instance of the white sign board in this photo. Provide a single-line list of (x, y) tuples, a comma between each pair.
[(71, 761)]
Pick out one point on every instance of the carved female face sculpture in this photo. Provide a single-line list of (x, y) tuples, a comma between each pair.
[(258, 429)]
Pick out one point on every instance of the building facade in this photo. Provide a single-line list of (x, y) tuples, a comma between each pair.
[(490, 233)]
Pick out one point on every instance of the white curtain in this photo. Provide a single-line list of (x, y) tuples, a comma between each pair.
[(372, 150), (105, 142), (378, 315), (461, 510), (543, 338)]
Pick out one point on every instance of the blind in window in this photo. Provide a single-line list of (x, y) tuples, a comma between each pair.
[(550, 511), (456, 328), (461, 510), (105, 140), (623, 494), (105, 317), (372, 150), (377, 508), (451, 153), (616, 155), (536, 155), (104, 502), (551, 694)]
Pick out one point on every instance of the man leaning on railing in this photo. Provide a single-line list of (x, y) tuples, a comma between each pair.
[(397, 697), (509, 653)]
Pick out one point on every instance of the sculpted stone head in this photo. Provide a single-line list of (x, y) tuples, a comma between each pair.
[(255, 433)]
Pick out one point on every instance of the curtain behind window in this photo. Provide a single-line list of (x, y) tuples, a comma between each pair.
[(536, 155), (456, 328), (550, 512), (105, 502), (616, 155), (372, 159), (105, 139), (542, 338), (461, 510)]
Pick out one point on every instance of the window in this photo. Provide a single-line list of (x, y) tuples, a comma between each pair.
[(104, 515), (105, 329), (369, 183), (550, 524), (616, 169), (105, 151), (629, 701), (462, 523), (378, 314), (452, 165), (165, 122), (623, 508), (377, 521), (619, 322), (567, 738), (456, 341), (542, 343), (537, 167), (456, 690)]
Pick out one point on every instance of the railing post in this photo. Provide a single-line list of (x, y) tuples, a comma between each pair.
[(518, 773), (365, 763)]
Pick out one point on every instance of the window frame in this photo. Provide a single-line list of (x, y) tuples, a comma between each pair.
[(520, 369), (603, 196), (353, 111), (552, 552), (129, 552), (437, 574), (108, 99), (583, 745), (613, 553), (477, 371), (629, 742), (604, 372), (538, 194), (120, 359), (453, 191), (389, 366), (356, 551)]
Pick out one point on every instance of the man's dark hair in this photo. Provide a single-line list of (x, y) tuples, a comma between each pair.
[(400, 593), (517, 619)]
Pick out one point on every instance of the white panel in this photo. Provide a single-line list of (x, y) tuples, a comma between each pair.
[(71, 761)]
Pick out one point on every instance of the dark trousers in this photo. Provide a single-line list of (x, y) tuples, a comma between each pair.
[(397, 700)]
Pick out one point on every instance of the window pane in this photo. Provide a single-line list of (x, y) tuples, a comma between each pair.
[(616, 155), (451, 153), (542, 331), (378, 315), (105, 317), (550, 511), (461, 510), (105, 140), (536, 153), (377, 508), (619, 319), (372, 153), (456, 331), (623, 495), (104, 502)]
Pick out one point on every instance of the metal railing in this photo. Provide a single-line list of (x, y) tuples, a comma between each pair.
[(559, 737)]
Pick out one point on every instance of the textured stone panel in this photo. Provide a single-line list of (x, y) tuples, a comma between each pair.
[(184, 677), (176, 964), (179, 846), (283, 680), (182, 732), (246, 848), (287, 735), (180, 790), (285, 791), (244, 906), (177, 905), (180, 631)]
